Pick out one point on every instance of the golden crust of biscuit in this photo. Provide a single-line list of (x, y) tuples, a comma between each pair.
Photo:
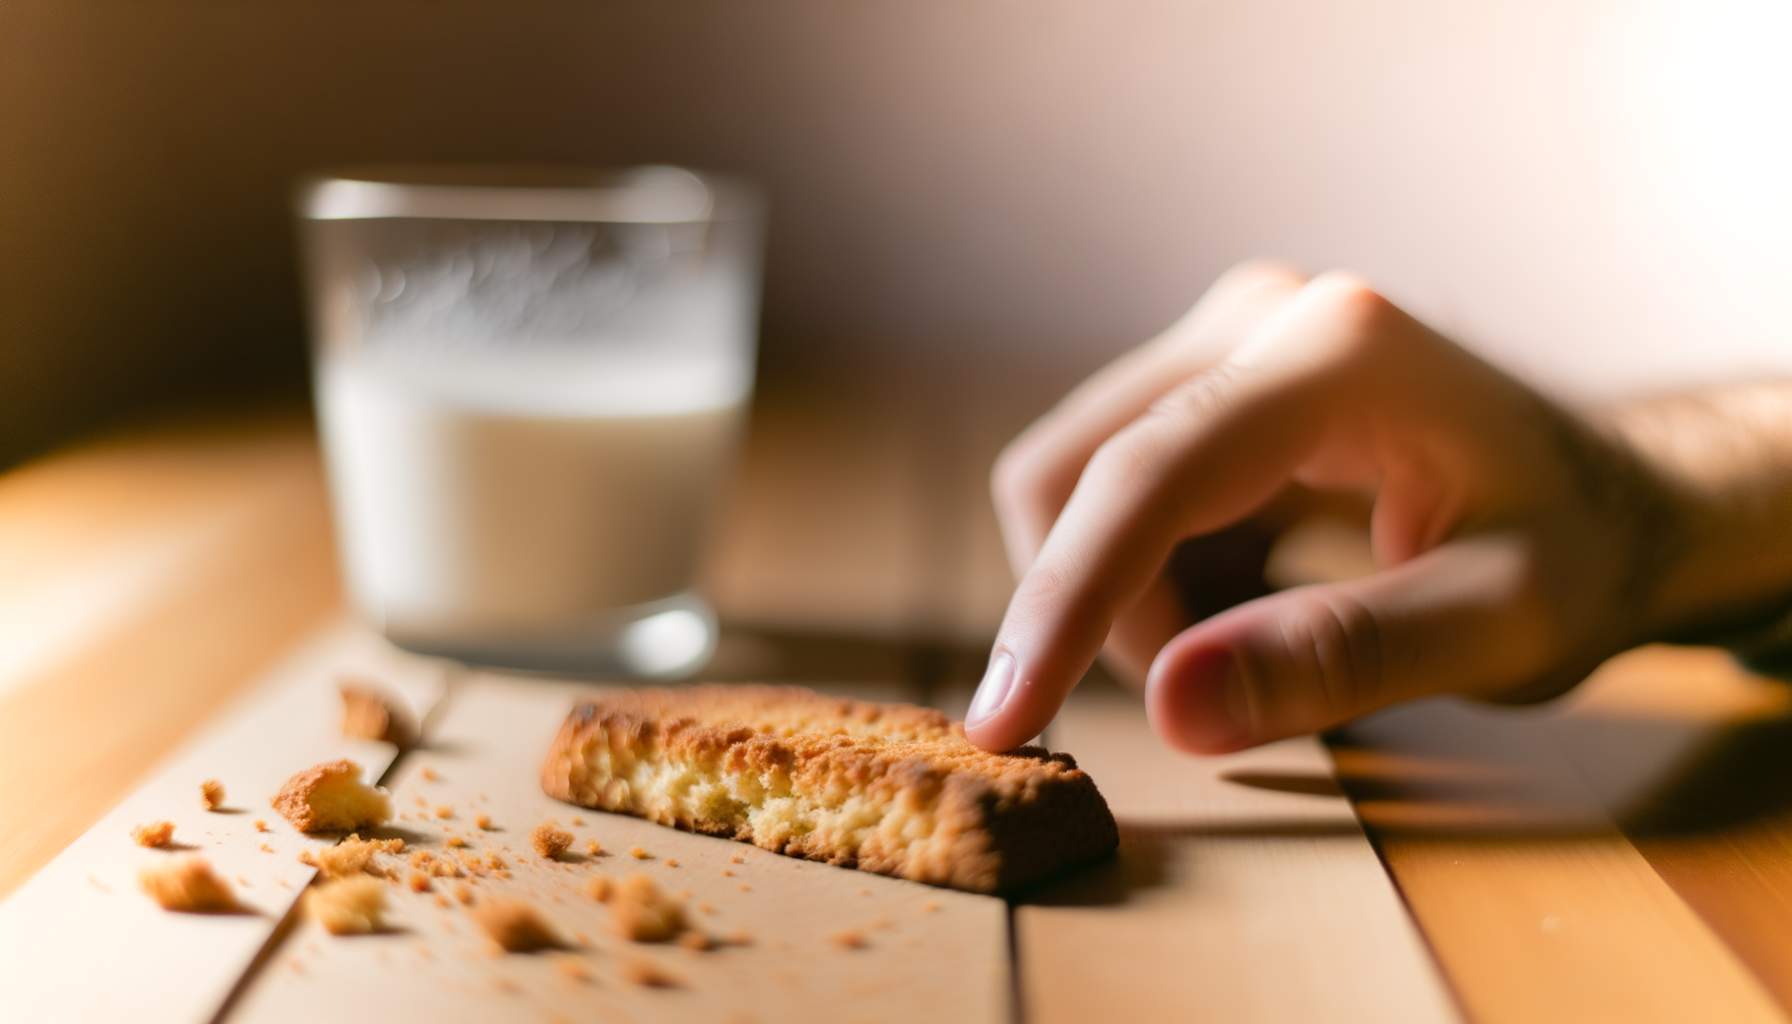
[(889, 788), (331, 797), (368, 714)]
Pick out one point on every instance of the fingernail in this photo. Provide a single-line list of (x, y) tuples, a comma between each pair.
[(993, 691)]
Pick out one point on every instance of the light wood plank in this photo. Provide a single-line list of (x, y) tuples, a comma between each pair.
[(1536, 903), (1244, 890), (149, 576), (919, 964), (82, 917)]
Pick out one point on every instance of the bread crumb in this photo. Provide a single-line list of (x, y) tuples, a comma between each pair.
[(463, 893), (639, 854), (368, 715), (431, 775), (696, 941), (444, 811), (572, 970), (930, 907), (154, 834), (348, 906), (671, 862), (550, 842), (849, 940), (454, 842), (331, 797), (261, 824), (647, 974), (594, 848), (495, 862), (211, 793), (578, 821), (736, 859), (738, 937), (265, 848), (419, 882), (187, 885), (706, 908), (744, 887), (726, 873), (484, 821), (445, 903), (599, 888), (352, 856), (515, 926), (641, 913)]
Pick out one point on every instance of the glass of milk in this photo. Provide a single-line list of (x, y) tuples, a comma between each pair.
[(531, 385)]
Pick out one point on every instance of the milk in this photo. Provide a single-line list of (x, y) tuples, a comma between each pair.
[(523, 499)]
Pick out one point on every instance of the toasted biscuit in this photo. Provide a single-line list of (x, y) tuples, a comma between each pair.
[(888, 788), (331, 797)]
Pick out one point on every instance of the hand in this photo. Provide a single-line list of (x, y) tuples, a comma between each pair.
[(1517, 545)]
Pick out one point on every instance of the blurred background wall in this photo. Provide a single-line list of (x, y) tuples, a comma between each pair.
[(1594, 193)]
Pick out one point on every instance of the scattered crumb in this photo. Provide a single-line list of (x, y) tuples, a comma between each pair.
[(422, 801), (495, 862), (671, 862), (882, 922), (684, 894), (849, 940), (572, 969), (706, 908), (599, 888), (550, 842), (419, 882), (726, 873), (348, 906), (641, 913), (187, 885), (331, 797), (696, 941), (368, 715), (444, 811), (930, 907), (515, 926), (454, 842), (352, 856), (639, 854), (154, 834), (464, 893), (211, 793), (736, 859), (431, 775), (442, 901), (484, 821), (647, 974), (738, 937), (261, 824), (744, 887), (265, 848), (594, 848)]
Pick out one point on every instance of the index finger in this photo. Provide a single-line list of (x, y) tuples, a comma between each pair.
[(1205, 455)]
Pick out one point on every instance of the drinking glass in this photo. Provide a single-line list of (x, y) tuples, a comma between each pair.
[(530, 386)]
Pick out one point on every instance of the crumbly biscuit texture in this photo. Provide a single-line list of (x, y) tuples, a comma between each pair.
[(368, 714), (211, 794), (188, 885), (331, 797), (889, 788), (550, 841), (348, 906), (640, 912), (352, 856), (154, 834), (515, 926)]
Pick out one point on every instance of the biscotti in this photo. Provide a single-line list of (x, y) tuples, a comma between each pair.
[(888, 788)]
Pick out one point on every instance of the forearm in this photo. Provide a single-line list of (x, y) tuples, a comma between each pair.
[(1721, 462)]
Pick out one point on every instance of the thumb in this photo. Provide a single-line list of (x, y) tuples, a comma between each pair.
[(1454, 620)]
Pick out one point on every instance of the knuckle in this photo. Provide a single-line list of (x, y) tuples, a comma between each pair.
[(1133, 459), (1256, 274), (1348, 310), (1335, 645), (1201, 397), (1021, 478)]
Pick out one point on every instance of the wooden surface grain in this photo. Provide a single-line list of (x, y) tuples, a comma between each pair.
[(1625, 854)]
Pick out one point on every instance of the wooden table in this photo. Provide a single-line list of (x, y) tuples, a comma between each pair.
[(1625, 854)]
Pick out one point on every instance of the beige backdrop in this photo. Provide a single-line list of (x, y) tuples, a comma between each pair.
[(1592, 192)]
